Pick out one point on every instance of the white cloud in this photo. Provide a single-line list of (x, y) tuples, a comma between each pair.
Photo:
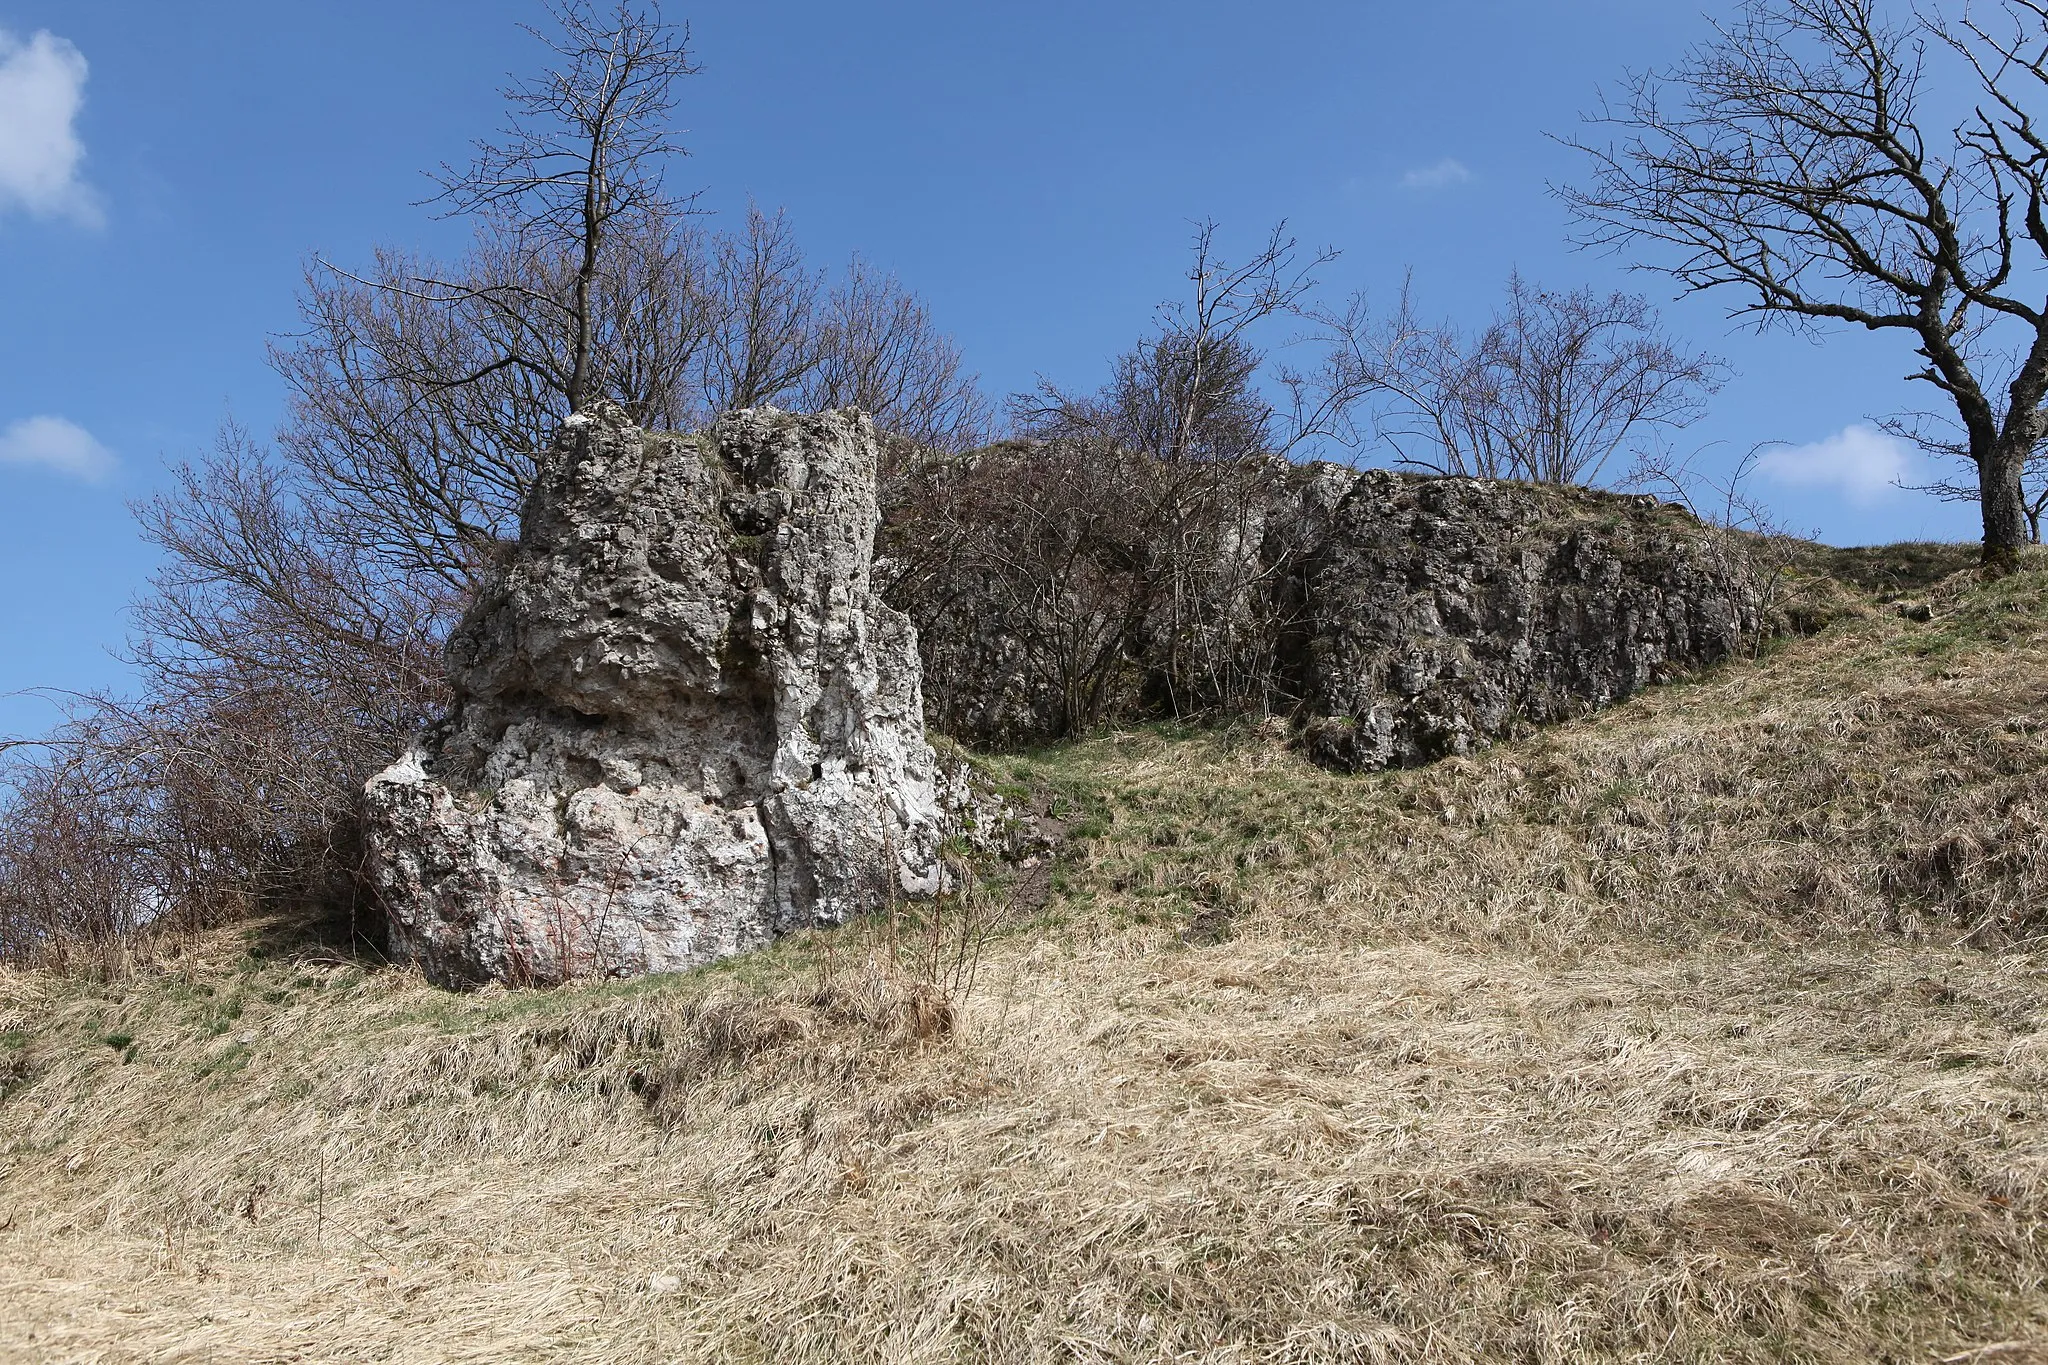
[(1444, 174), (42, 85), (1859, 461), (53, 443)]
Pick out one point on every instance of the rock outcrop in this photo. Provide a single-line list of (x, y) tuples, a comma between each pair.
[(684, 722), (1394, 617), (1440, 613)]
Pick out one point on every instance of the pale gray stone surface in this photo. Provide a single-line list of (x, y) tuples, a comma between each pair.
[(684, 724)]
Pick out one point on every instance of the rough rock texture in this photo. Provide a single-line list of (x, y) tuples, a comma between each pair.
[(684, 723), (1441, 613), (1397, 618)]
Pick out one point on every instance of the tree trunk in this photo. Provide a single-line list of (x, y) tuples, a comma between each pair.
[(579, 373), (2005, 505), (594, 200)]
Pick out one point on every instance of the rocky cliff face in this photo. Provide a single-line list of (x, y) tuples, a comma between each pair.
[(684, 725), (1437, 614), (1396, 618)]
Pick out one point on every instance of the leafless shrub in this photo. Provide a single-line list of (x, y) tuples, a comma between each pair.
[(1118, 555), (151, 822), (1025, 568), (939, 942), (1552, 390), (282, 661), (71, 883)]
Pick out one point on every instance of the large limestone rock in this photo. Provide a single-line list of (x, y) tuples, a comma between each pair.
[(684, 723)]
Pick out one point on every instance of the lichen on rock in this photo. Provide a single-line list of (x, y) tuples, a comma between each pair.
[(684, 723)]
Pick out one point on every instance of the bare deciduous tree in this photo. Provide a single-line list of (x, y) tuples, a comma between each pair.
[(1788, 161), (583, 156), (1938, 435), (1432, 394), (1119, 554), (1190, 392), (400, 415), (764, 300), (876, 348), (1551, 391), (1582, 375)]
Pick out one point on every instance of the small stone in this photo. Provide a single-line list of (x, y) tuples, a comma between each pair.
[(659, 1283)]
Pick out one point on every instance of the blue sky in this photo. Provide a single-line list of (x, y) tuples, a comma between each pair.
[(166, 170)]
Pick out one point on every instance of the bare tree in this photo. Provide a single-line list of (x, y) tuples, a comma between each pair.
[(262, 578), (1550, 391), (1432, 394), (583, 156), (1194, 443), (1937, 434), (875, 347), (400, 414), (655, 322), (1787, 161), (1191, 392), (1117, 557), (1582, 375), (764, 300)]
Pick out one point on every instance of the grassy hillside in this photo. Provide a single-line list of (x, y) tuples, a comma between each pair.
[(1710, 1028)]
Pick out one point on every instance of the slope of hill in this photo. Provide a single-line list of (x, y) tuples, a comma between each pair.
[(1709, 1028)]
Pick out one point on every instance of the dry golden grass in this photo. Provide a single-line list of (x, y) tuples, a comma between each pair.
[(1710, 1028)]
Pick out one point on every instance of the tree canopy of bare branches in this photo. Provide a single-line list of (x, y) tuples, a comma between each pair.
[(1114, 556), (1551, 391), (1191, 392), (1788, 162), (584, 154)]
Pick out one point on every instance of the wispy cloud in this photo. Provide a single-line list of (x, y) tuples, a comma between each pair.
[(55, 444), (42, 86), (1859, 461), (1444, 174)]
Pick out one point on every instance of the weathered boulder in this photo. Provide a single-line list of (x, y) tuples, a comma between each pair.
[(1440, 613), (684, 724)]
